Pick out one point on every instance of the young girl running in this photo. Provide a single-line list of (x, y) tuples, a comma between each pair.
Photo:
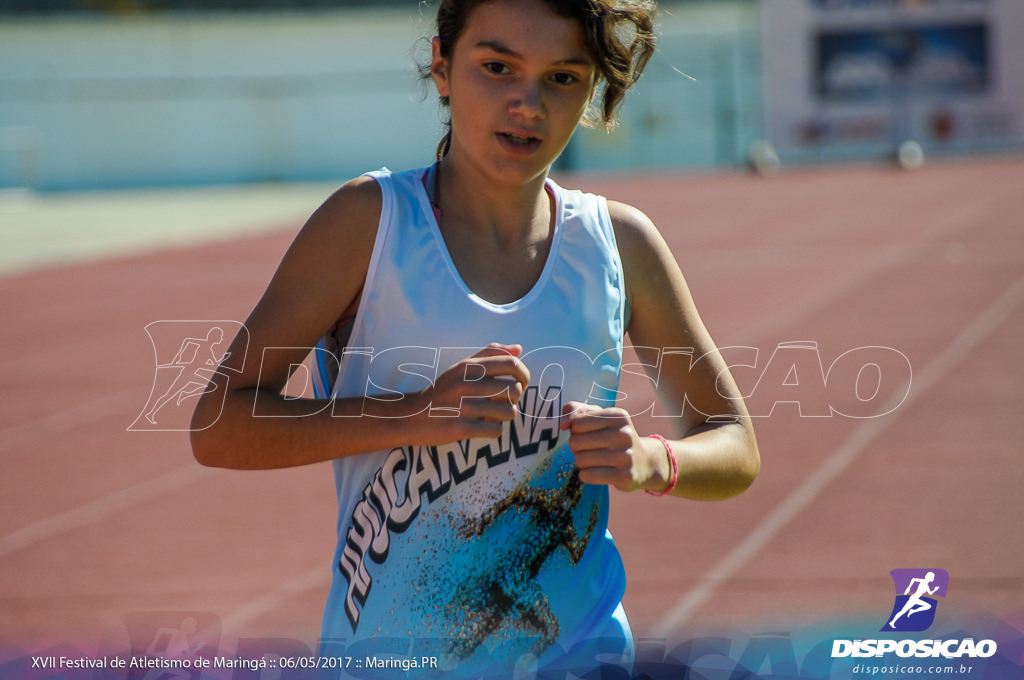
[(479, 313)]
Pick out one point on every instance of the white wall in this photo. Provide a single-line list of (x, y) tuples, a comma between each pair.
[(177, 99), (198, 99), (699, 101)]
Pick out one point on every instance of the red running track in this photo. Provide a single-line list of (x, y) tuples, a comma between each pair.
[(99, 524)]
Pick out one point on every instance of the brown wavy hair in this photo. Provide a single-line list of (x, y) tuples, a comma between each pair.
[(618, 34)]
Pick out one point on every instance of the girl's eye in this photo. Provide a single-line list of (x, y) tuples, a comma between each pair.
[(496, 67), (564, 78)]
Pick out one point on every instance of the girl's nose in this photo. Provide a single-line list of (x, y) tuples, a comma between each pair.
[(528, 101)]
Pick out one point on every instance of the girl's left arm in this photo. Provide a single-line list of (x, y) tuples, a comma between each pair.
[(711, 436)]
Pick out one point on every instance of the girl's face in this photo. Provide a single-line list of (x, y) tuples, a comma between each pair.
[(518, 81)]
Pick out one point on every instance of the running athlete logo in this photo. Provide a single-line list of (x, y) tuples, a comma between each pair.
[(914, 610), (511, 595), (187, 355), (171, 645)]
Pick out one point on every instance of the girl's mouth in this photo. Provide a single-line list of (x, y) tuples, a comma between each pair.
[(518, 143)]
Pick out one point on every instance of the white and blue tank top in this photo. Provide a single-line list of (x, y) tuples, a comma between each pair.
[(483, 553)]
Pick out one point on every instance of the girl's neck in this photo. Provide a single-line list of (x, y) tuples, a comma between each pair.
[(499, 239), (473, 207)]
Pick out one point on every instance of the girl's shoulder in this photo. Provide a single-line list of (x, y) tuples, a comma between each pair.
[(353, 204), (345, 224), (331, 253), (653, 278), (635, 232)]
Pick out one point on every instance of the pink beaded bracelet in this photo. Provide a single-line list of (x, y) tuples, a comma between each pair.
[(673, 465)]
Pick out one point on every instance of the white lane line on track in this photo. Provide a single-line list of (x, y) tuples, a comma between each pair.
[(67, 420), (837, 461), (102, 507), (890, 258), (319, 577)]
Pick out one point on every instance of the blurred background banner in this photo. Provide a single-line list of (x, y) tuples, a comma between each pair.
[(855, 78)]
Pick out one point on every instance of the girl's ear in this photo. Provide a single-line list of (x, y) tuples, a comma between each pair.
[(439, 68)]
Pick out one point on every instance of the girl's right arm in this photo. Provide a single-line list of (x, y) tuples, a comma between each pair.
[(243, 421)]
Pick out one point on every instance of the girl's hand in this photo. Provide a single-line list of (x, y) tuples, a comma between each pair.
[(609, 451), (475, 396)]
